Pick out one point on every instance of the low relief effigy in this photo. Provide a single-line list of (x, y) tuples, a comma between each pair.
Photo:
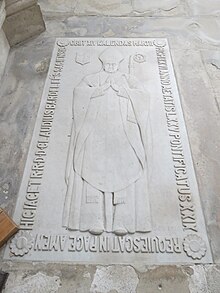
[(109, 175), (106, 170)]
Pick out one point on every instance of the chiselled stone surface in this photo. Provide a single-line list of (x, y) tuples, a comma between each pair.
[(2, 12), (37, 283), (14, 6), (194, 42), (116, 7), (57, 6), (121, 279), (114, 278), (211, 60), (23, 24), (4, 46), (205, 147), (117, 167), (183, 33), (205, 7), (206, 30), (109, 7), (159, 7)]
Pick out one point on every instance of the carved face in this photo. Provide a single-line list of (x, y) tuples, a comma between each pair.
[(110, 67)]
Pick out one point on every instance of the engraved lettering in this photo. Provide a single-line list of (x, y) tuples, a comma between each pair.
[(46, 126), (180, 170), (72, 244)]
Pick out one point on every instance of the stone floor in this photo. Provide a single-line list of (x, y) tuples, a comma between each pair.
[(192, 28)]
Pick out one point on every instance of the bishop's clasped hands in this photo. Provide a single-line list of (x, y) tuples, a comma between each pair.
[(110, 83)]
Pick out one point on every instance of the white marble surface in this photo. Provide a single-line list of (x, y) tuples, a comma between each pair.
[(174, 212), (194, 39)]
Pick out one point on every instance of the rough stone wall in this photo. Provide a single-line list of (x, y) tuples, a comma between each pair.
[(192, 28)]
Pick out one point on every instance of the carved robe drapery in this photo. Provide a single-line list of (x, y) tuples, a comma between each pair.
[(107, 163)]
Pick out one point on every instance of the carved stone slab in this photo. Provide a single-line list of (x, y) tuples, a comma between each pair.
[(109, 177)]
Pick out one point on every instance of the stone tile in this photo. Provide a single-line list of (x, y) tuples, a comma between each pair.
[(159, 7), (57, 6), (2, 12), (204, 7), (27, 65), (181, 32), (168, 279), (198, 101), (4, 49), (3, 279), (47, 278), (23, 25), (197, 280), (213, 278), (20, 95), (121, 279), (45, 215), (211, 61), (198, 33), (108, 7), (4, 46), (206, 30), (73, 26), (14, 6), (116, 7), (38, 283)]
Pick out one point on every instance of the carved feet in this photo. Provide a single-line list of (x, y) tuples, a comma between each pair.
[(120, 231)]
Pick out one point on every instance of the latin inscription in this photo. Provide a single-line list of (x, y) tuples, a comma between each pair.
[(107, 244), (187, 209), (91, 189), (112, 43), (33, 188)]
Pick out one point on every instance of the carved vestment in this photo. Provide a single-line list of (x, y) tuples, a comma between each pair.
[(107, 154)]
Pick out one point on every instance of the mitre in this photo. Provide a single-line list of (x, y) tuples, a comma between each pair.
[(111, 55)]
